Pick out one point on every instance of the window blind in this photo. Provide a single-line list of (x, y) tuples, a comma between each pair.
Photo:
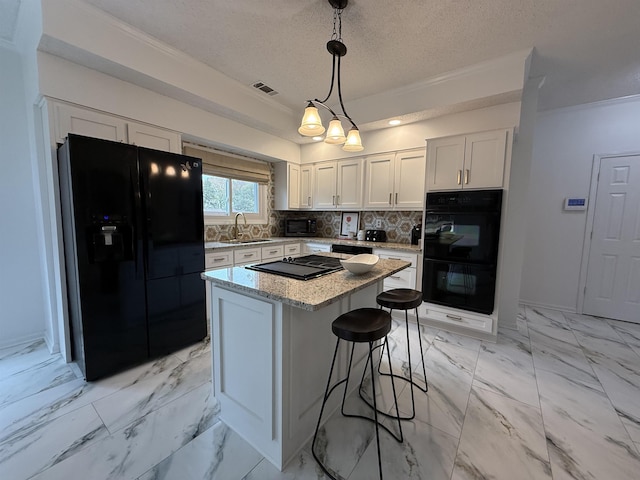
[(228, 166)]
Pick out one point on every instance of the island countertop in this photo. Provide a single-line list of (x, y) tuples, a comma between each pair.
[(308, 295)]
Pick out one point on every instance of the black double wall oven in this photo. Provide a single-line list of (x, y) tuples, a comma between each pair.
[(461, 236)]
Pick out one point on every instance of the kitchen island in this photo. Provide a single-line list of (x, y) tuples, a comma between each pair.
[(272, 346)]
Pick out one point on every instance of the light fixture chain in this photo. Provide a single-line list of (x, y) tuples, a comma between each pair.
[(337, 19)]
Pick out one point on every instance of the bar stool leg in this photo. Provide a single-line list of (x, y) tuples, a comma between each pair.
[(329, 390), (424, 370), (410, 379)]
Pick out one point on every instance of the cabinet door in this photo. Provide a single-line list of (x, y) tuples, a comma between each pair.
[(306, 186), (409, 180), (379, 182), (69, 119), (293, 186), (445, 161), (154, 137), (484, 160), (349, 184), (324, 196)]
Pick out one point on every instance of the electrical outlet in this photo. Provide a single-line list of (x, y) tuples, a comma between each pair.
[(378, 223)]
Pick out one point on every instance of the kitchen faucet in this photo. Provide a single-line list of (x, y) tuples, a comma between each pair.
[(236, 234)]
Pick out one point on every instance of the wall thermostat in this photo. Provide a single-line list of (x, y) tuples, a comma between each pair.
[(575, 203)]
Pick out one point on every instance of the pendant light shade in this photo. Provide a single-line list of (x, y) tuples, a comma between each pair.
[(335, 134), (353, 143), (311, 124)]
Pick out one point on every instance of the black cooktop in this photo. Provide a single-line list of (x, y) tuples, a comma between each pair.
[(301, 268)]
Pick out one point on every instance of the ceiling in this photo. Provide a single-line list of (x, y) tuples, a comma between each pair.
[(586, 49)]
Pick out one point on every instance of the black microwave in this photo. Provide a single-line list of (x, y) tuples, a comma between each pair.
[(300, 227)]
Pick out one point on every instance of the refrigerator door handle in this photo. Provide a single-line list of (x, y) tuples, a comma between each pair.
[(134, 221)]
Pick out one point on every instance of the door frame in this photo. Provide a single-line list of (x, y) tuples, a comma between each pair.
[(591, 211)]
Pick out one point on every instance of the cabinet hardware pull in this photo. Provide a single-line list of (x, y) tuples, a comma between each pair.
[(459, 176), (333, 200), (394, 258), (466, 176), (454, 317), (396, 198), (390, 199), (273, 251), (338, 200), (248, 254), (308, 201), (218, 259), (396, 277)]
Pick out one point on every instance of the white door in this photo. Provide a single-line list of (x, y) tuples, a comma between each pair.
[(445, 160), (484, 160), (613, 272)]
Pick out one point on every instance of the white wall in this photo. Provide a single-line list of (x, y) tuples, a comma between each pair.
[(414, 135), (565, 143), (22, 316)]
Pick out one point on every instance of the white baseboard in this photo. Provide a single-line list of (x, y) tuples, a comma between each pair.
[(12, 342), (559, 308), (52, 345)]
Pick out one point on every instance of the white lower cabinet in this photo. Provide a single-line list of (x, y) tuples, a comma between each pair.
[(273, 252), (292, 250), (458, 318), (316, 247), (218, 260), (404, 278), (244, 256)]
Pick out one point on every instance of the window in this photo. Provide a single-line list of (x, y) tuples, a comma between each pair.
[(232, 184), (224, 197)]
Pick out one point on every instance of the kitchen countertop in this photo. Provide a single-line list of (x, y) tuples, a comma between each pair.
[(308, 295), (220, 246)]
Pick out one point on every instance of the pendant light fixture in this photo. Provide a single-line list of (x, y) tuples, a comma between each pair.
[(311, 122)]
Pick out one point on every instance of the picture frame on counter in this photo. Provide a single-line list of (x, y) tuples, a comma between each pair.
[(349, 224)]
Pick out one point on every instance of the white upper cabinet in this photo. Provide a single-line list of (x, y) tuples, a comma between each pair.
[(324, 192), (81, 121), (409, 180), (395, 181), (91, 123), (306, 186), (467, 161), (338, 185), (287, 186), (153, 137)]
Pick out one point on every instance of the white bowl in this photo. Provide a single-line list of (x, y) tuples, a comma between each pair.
[(360, 264)]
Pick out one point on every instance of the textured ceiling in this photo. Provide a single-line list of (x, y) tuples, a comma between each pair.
[(586, 48)]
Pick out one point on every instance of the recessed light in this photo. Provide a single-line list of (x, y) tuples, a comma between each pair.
[(395, 122), (317, 139)]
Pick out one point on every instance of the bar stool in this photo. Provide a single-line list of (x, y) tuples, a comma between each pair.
[(363, 325), (404, 299)]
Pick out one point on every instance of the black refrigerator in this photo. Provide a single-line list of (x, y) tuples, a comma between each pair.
[(134, 250)]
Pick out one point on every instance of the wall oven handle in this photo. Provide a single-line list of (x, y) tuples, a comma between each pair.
[(454, 317), (466, 177), (459, 176)]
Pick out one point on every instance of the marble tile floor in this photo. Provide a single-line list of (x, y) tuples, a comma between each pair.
[(556, 398)]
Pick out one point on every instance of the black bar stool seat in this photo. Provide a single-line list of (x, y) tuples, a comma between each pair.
[(404, 299), (363, 325), (400, 299)]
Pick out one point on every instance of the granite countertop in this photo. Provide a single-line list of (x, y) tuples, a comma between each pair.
[(211, 246), (308, 295)]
